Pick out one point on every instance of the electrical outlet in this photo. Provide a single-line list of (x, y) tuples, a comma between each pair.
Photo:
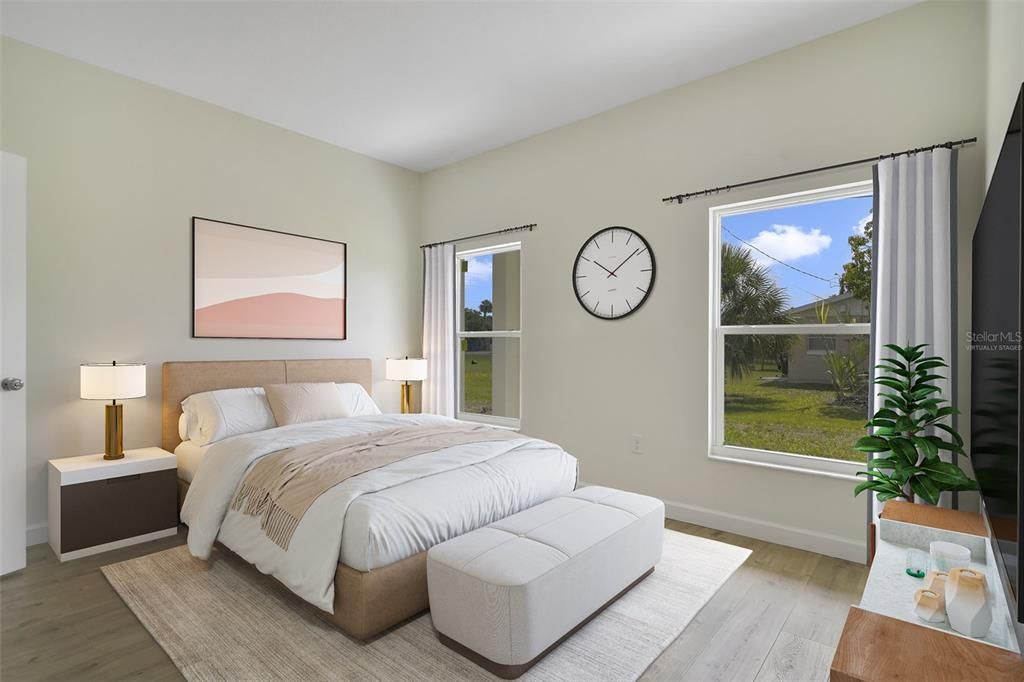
[(636, 449)]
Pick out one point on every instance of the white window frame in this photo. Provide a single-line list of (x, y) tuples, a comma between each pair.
[(717, 449), (492, 420)]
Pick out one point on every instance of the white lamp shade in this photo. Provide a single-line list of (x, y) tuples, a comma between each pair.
[(406, 369), (113, 382)]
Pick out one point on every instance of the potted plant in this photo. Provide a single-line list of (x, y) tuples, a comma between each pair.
[(904, 444)]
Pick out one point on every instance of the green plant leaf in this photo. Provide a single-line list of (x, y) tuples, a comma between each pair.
[(885, 414), (926, 446), (929, 364), (893, 383), (943, 474), (951, 431), (899, 401), (905, 353), (924, 391), (885, 497), (883, 463), (871, 444), (923, 487), (880, 423), (892, 361), (905, 424), (905, 449)]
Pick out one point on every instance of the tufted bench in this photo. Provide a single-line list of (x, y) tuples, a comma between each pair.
[(506, 594)]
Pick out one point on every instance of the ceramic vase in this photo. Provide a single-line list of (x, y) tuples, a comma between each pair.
[(967, 602), (936, 582), (928, 606)]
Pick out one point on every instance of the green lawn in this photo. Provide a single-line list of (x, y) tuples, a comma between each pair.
[(797, 418), (477, 376)]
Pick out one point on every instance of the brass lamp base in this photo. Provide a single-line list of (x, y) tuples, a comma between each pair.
[(114, 432), (406, 397)]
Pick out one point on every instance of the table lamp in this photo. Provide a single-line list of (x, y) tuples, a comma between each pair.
[(405, 370), (113, 382)]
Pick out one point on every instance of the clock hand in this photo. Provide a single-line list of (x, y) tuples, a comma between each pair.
[(612, 272)]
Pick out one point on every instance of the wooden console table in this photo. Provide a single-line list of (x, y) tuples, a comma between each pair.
[(874, 646)]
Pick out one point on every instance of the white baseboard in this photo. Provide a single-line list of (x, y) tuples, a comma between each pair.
[(36, 534), (790, 536)]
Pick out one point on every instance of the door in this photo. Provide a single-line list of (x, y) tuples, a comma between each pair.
[(13, 229)]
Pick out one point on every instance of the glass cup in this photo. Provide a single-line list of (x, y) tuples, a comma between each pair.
[(917, 563)]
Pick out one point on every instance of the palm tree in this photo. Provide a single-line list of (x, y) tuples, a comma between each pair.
[(750, 295)]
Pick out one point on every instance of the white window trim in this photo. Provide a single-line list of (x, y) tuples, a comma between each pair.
[(717, 449), (509, 423)]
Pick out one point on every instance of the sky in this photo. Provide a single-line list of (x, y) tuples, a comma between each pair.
[(810, 237), (478, 280)]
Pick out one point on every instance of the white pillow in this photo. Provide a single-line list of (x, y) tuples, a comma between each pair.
[(183, 426), (216, 415), (357, 402), (301, 403)]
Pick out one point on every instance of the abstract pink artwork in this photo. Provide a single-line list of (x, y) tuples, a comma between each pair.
[(253, 283)]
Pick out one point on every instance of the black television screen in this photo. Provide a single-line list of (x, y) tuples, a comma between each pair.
[(996, 381)]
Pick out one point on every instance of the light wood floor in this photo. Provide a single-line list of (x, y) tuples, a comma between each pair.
[(777, 618)]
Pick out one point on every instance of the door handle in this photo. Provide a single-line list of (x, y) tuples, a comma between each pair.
[(12, 384)]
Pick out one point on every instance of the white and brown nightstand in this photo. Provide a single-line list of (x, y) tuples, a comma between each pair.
[(98, 504)]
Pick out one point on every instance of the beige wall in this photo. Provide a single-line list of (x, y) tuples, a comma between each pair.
[(908, 79), (116, 170), (1004, 74)]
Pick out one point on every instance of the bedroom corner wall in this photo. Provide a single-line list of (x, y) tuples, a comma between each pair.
[(1005, 73), (908, 79), (117, 168)]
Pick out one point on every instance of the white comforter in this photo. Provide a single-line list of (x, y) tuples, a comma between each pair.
[(512, 475)]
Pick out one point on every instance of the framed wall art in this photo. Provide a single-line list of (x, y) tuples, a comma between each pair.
[(254, 283)]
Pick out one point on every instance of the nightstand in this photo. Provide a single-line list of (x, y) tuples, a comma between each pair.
[(98, 504)]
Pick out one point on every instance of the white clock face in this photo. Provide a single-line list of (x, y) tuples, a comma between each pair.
[(614, 273)]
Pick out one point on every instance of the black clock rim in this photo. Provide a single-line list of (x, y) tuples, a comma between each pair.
[(650, 289)]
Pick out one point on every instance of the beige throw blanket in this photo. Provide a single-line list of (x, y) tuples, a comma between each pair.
[(283, 485)]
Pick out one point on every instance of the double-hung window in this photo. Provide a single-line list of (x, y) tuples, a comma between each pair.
[(790, 329), (489, 335)]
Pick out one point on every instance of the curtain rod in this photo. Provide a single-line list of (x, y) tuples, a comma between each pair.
[(518, 228), (680, 198)]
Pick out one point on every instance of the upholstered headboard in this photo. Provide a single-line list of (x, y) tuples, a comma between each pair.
[(182, 379)]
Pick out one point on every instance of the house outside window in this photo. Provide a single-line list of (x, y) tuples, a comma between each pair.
[(489, 335), (790, 329)]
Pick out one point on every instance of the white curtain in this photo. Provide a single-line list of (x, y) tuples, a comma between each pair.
[(439, 329), (914, 288)]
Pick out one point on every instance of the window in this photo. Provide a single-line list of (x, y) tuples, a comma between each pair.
[(790, 327), (819, 345), (489, 333)]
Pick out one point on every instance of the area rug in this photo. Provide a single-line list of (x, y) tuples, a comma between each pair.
[(229, 622)]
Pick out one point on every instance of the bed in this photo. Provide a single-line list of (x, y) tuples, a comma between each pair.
[(378, 574)]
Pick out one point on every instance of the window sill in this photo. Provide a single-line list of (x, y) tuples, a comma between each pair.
[(490, 420), (801, 464)]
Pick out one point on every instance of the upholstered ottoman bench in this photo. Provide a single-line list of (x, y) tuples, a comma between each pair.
[(506, 594)]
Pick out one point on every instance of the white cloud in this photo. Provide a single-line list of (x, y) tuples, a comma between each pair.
[(859, 227), (789, 242), (479, 270)]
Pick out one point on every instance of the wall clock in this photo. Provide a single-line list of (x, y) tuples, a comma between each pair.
[(614, 273)]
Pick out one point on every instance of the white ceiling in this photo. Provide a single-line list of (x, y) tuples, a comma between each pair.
[(423, 84)]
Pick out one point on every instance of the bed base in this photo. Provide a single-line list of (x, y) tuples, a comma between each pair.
[(366, 603)]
